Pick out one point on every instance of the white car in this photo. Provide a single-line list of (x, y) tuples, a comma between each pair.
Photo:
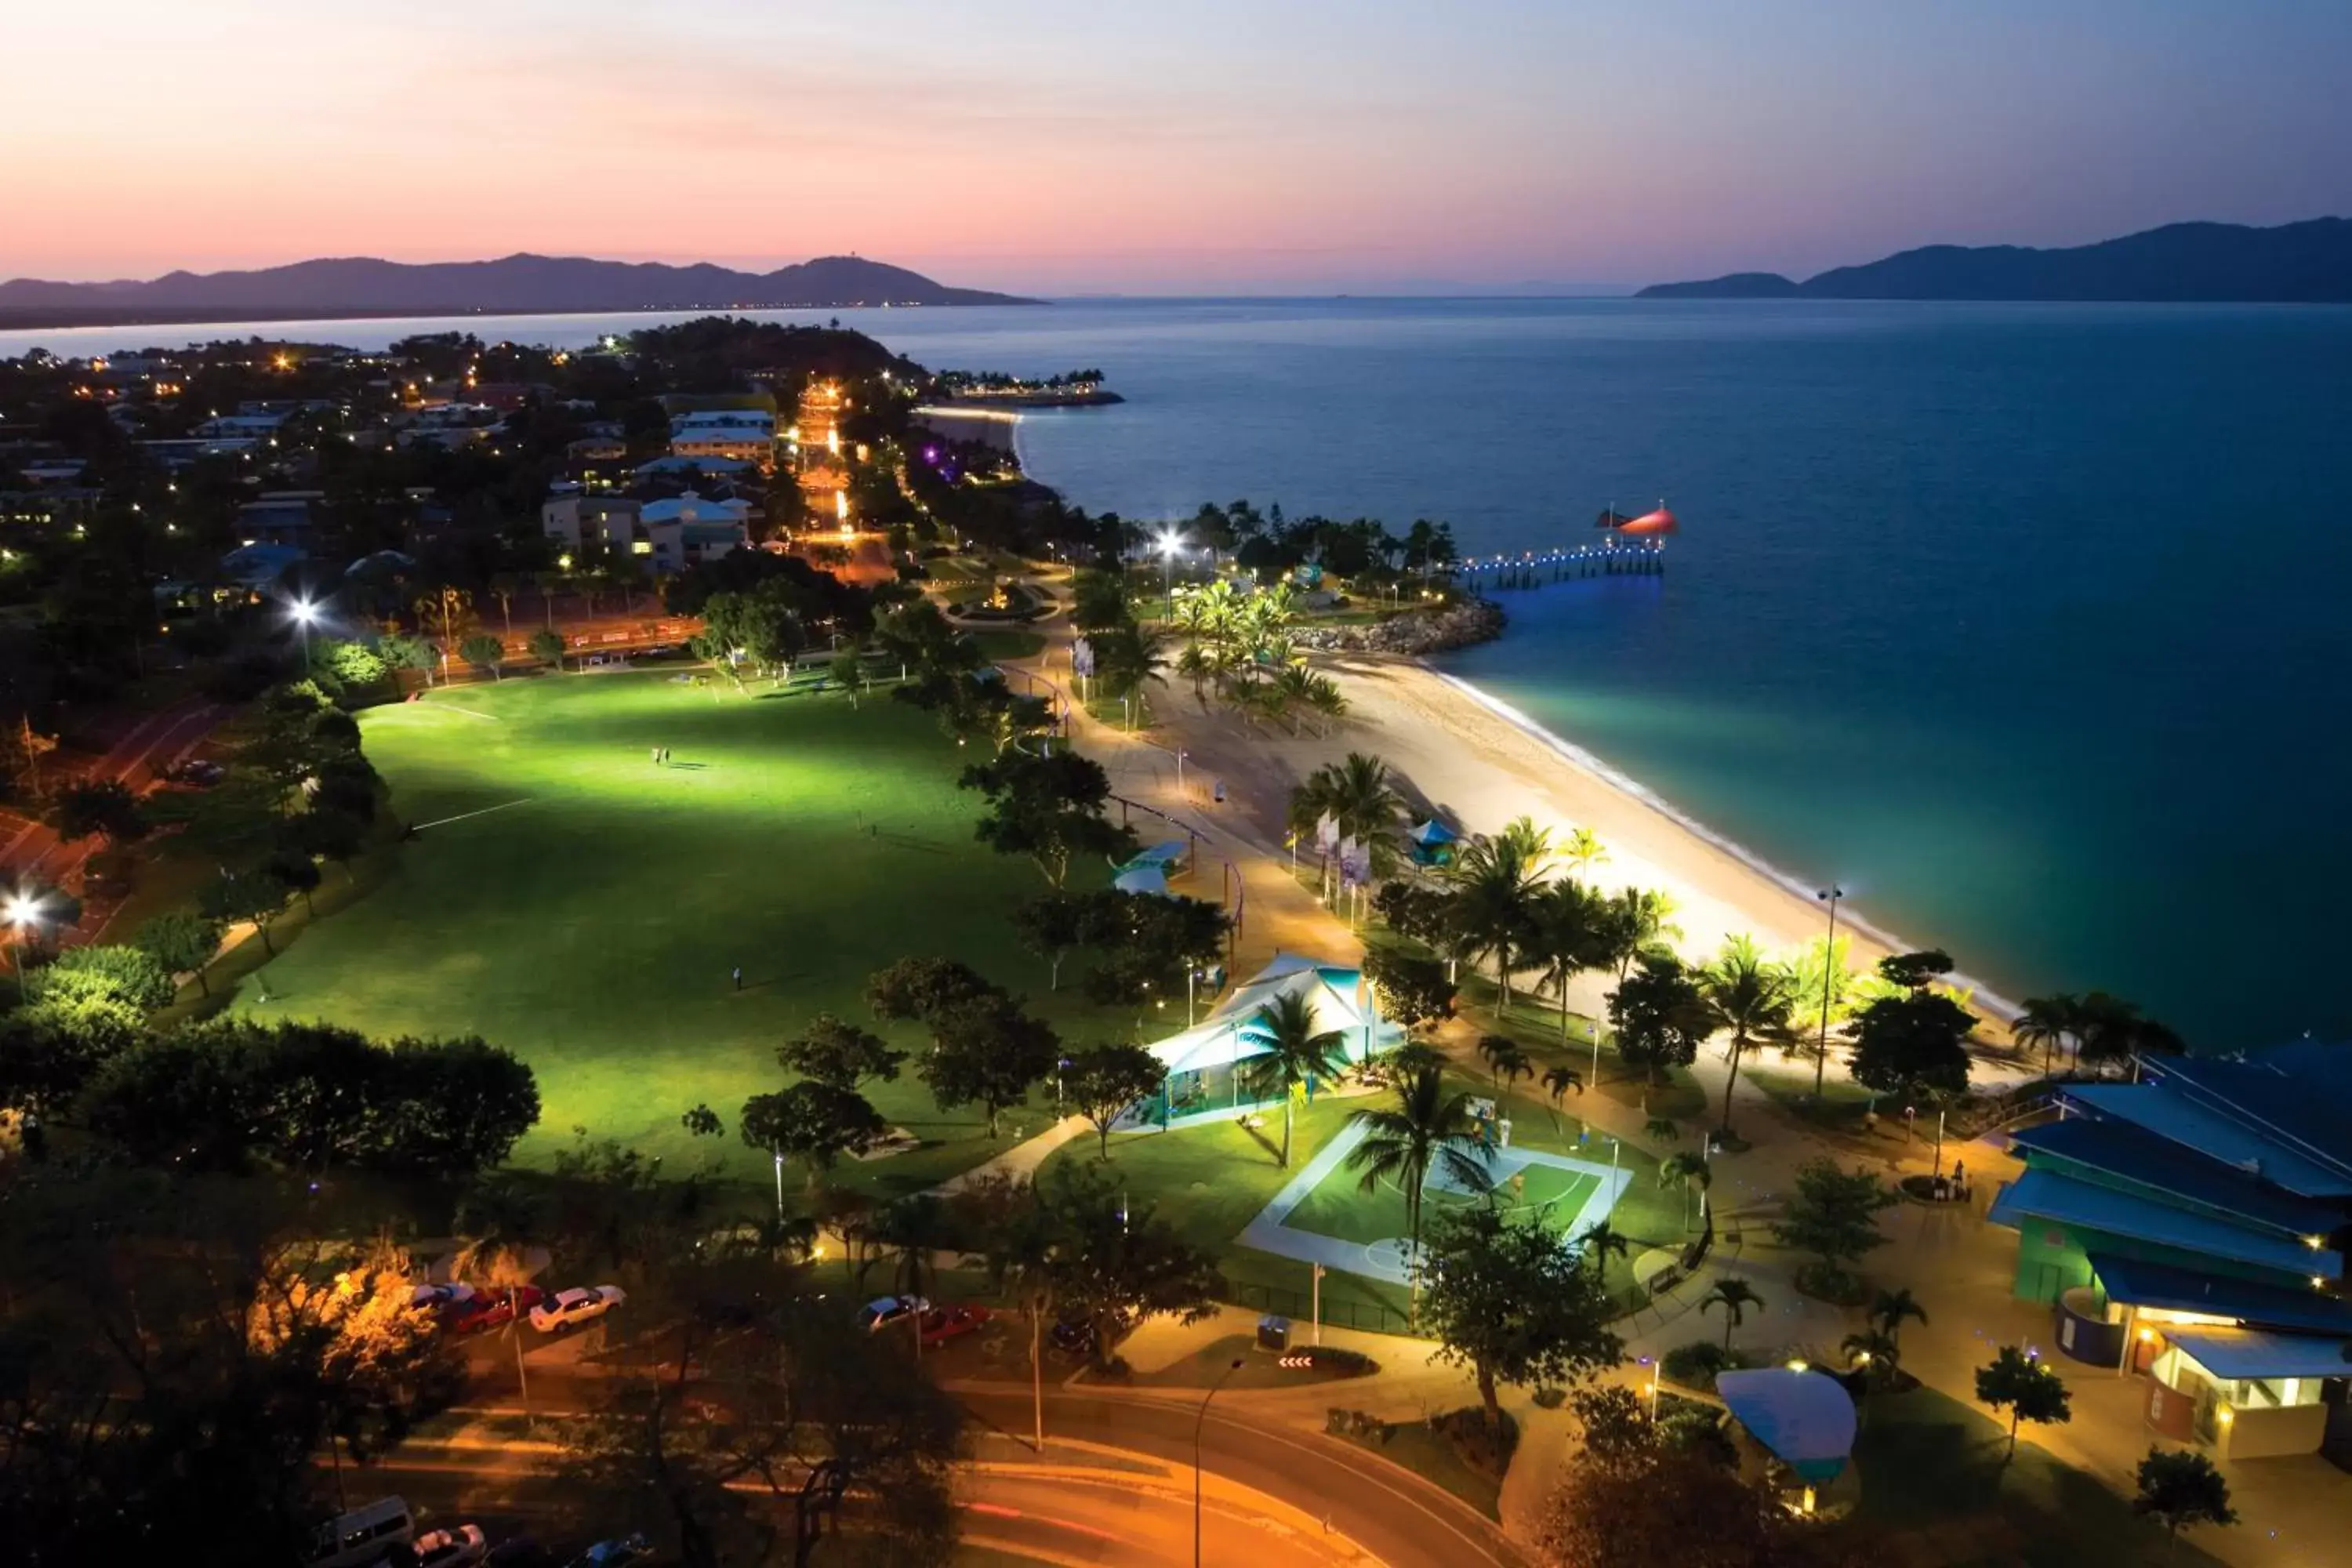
[(569, 1309), (460, 1548)]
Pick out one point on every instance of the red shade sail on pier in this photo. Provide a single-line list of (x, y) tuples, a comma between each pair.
[(1650, 524)]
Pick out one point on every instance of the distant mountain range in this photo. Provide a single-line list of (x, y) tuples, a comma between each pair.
[(512, 285), (2296, 263)]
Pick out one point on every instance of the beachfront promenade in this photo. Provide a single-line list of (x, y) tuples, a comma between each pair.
[(1482, 771)]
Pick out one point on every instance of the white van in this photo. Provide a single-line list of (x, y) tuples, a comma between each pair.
[(362, 1536)]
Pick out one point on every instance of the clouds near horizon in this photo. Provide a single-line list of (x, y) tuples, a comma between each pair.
[(1208, 146)]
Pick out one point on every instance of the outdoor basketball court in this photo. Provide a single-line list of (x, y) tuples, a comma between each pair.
[(1324, 1216)]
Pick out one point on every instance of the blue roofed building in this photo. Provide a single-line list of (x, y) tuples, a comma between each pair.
[(2189, 1228)]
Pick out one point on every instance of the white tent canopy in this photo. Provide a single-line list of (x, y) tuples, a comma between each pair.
[(1338, 997)]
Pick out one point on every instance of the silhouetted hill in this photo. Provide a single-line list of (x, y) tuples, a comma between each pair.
[(2295, 263), (512, 285), (1735, 286)]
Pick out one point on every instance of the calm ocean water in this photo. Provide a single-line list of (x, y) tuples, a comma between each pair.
[(2026, 625)]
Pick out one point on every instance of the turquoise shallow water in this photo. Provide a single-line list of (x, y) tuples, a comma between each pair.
[(2026, 625)]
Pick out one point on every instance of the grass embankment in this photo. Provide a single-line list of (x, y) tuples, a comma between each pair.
[(573, 901)]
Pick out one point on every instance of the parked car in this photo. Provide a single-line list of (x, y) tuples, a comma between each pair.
[(436, 1297), (942, 1324), (569, 1309), (494, 1309), (884, 1310), (364, 1535), (195, 771), (613, 1553), (462, 1547)]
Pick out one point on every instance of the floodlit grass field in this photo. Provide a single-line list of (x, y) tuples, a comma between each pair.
[(1338, 1207), (572, 902)]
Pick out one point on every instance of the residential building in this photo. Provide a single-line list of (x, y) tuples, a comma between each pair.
[(279, 517), (578, 520)]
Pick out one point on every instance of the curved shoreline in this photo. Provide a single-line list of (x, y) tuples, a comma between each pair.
[(1584, 762)]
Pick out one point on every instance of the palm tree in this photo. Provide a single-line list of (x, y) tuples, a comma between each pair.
[(1511, 1067), (1890, 1309), (1495, 882), (1752, 999), (1493, 1048), (1127, 659), (1597, 1242), (1583, 849), (1295, 1053), (1735, 1297), (1566, 938), (2046, 1022), (909, 1230), (1631, 919), (1689, 1170), (1877, 1355), (1426, 1128), (1558, 1080), (1358, 794)]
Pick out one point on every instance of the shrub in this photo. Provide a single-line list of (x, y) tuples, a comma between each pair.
[(1360, 1425), (1694, 1365), (1484, 1448), (1338, 1361), (129, 976)]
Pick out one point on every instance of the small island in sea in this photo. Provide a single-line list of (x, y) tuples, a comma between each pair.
[(2296, 263)]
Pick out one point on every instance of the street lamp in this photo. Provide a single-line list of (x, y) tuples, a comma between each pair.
[(21, 912), (1829, 896), (1170, 543), (305, 612), (1198, 1421)]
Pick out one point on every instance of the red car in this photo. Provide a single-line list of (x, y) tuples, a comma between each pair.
[(942, 1324), (494, 1309)]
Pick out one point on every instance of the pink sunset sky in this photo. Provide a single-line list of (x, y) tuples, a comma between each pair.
[(1213, 147)]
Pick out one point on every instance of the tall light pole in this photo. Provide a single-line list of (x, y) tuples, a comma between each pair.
[(1170, 543), (1198, 1421), (21, 913), (1829, 896), (305, 612)]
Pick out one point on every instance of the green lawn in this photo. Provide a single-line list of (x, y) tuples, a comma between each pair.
[(590, 917)]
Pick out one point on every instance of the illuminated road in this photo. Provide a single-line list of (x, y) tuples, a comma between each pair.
[(1068, 1514), (1395, 1516)]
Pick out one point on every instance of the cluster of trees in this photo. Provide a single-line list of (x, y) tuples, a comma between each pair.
[(298, 792), (1046, 804), (310, 1096), (1076, 1246), (2096, 1030), (1144, 945), (1639, 1490), (950, 678), (1240, 645), (1362, 550), (176, 1364)]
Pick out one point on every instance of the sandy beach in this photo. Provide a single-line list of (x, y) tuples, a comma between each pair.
[(1456, 753)]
